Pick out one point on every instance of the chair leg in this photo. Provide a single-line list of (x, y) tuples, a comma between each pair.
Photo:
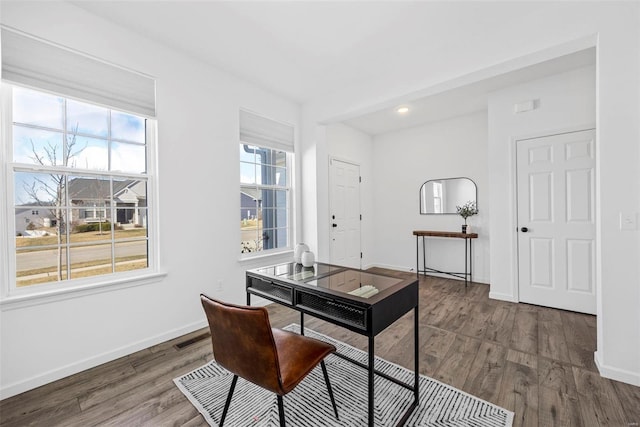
[(281, 410), (326, 379), (228, 402)]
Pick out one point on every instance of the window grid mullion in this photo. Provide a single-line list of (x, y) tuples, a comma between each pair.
[(63, 209)]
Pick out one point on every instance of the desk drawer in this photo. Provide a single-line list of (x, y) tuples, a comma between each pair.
[(347, 313), (276, 290)]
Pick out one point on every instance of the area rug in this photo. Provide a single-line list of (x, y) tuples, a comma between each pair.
[(309, 405)]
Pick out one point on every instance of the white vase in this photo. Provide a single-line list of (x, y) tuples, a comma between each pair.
[(298, 251), (307, 259)]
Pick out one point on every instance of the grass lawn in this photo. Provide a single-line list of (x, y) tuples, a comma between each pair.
[(79, 269), (105, 268), (90, 236)]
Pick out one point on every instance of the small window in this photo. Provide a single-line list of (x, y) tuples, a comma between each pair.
[(264, 199), (266, 157)]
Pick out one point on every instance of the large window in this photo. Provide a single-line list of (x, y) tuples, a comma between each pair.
[(79, 188), (266, 156)]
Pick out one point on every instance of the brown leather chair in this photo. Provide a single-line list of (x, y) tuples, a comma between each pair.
[(245, 344)]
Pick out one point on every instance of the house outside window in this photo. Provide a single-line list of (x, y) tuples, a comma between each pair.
[(266, 157)]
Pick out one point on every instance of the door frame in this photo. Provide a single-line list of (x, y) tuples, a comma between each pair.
[(515, 271), (351, 162)]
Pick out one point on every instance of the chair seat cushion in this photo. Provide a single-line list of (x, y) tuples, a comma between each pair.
[(298, 355)]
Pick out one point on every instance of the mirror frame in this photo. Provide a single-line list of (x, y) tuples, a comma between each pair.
[(420, 192)]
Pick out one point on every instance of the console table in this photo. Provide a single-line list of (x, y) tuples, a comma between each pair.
[(360, 301), (468, 252)]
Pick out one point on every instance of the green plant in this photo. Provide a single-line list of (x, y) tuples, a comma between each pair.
[(93, 226), (467, 210)]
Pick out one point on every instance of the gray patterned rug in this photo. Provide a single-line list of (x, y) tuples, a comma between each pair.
[(309, 405)]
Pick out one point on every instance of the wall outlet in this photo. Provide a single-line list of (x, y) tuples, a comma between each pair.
[(628, 221)]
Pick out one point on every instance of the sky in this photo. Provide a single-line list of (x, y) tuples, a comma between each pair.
[(99, 139)]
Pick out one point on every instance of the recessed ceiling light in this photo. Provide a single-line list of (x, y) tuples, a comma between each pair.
[(402, 110)]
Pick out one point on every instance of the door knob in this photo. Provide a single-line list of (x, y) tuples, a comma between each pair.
[(334, 225), (524, 229)]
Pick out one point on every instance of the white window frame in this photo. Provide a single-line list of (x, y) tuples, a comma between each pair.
[(289, 204), (12, 297)]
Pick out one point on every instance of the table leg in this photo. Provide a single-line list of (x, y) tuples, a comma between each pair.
[(424, 257), (301, 323), (471, 261), (417, 258), (372, 351), (465, 262), (248, 298), (416, 356)]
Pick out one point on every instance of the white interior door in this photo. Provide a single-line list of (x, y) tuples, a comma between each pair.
[(556, 224), (344, 206)]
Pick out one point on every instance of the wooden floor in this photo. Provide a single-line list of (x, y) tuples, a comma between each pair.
[(534, 361)]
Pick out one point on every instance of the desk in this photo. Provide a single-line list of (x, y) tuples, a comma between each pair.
[(362, 302), (468, 260)]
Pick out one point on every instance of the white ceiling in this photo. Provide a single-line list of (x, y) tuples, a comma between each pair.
[(462, 100), (306, 49)]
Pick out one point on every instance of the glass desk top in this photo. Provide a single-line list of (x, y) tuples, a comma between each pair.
[(297, 272), (344, 280), (356, 283)]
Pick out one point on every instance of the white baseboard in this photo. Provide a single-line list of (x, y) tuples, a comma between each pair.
[(390, 267), (617, 374), (502, 297), (82, 365)]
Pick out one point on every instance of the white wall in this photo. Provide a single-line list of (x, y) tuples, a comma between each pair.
[(524, 33), (566, 102), (351, 145), (403, 161), (198, 162)]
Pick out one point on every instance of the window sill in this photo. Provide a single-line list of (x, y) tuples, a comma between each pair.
[(265, 256), (21, 301)]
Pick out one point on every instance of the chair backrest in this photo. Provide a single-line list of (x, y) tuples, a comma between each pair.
[(243, 342)]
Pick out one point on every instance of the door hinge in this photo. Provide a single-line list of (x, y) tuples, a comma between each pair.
[(359, 179), (360, 255), (360, 217)]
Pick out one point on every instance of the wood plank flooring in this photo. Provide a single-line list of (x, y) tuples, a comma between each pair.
[(535, 361)]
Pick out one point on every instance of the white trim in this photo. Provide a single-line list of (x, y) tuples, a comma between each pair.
[(270, 253), (288, 188), (6, 116), (513, 182), (617, 374), (343, 160), (392, 267), (12, 297), (82, 365), (32, 299), (502, 297)]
